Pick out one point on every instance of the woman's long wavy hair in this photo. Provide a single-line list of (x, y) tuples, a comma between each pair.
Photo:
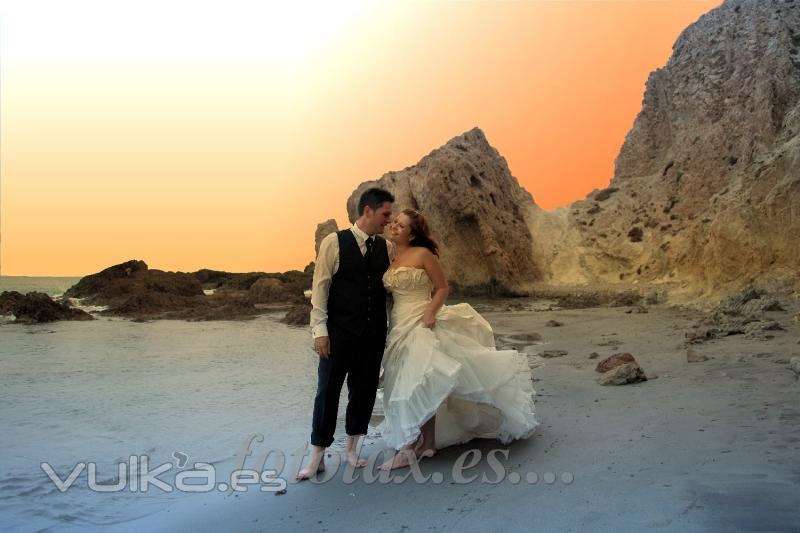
[(421, 231)]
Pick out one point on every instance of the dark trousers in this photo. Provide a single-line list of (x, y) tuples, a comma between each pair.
[(359, 359)]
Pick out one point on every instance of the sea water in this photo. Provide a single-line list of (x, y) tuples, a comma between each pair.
[(52, 285)]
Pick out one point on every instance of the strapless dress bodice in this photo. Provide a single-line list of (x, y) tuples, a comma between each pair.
[(408, 284)]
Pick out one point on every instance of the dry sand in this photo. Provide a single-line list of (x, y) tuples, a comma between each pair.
[(708, 446)]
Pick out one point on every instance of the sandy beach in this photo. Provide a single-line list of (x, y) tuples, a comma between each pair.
[(707, 446)]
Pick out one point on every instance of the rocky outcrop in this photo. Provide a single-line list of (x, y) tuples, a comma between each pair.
[(257, 287), (133, 290), (743, 313), (8, 300), (266, 290), (114, 285), (323, 230), (477, 210), (219, 279), (706, 190), (276, 288), (298, 315), (38, 307)]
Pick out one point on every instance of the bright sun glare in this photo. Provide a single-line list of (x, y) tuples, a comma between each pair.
[(282, 32)]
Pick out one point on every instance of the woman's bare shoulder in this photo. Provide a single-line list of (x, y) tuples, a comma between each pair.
[(423, 253)]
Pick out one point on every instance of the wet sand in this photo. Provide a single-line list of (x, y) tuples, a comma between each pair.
[(698, 447)]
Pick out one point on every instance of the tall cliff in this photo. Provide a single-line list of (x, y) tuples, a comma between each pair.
[(706, 189)]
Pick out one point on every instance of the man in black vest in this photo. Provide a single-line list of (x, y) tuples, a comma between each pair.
[(348, 322)]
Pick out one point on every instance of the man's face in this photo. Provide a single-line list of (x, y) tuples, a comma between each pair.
[(378, 219)]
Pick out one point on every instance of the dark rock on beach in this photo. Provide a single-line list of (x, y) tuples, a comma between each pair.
[(623, 375), (298, 315), (620, 369), (115, 285), (9, 299), (38, 307), (289, 284), (133, 290), (218, 279), (613, 361)]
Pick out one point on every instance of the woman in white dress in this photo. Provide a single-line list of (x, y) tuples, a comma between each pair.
[(444, 381)]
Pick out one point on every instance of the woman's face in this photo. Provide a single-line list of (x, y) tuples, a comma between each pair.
[(400, 230)]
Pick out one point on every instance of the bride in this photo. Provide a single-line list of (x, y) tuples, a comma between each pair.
[(444, 381)]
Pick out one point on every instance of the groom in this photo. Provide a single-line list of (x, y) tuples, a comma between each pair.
[(348, 322)]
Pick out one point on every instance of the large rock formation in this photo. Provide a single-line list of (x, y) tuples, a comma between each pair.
[(478, 212), (706, 190)]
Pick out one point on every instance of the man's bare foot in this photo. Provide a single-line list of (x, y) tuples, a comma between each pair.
[(313, 468), (354, 460), (401, 459)]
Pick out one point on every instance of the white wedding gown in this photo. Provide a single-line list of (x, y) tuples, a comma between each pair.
[(453, 371)]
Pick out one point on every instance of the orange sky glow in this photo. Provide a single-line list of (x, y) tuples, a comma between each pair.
[(220, 140)]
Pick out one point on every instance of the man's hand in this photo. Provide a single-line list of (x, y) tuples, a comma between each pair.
[(322, 345)]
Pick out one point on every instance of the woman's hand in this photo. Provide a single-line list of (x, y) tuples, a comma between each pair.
[(428, 319), (435, 272)]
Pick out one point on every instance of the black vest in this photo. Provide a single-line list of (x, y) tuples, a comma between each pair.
[(356, 298)]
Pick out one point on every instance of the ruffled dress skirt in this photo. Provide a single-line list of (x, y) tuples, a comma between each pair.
[(452, 371)]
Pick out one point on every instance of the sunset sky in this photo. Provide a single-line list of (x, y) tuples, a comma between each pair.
[(217, 135)]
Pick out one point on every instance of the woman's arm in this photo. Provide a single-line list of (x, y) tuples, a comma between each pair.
[(434, 269)]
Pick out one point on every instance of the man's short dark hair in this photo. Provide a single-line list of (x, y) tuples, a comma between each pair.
[(374, 198)]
